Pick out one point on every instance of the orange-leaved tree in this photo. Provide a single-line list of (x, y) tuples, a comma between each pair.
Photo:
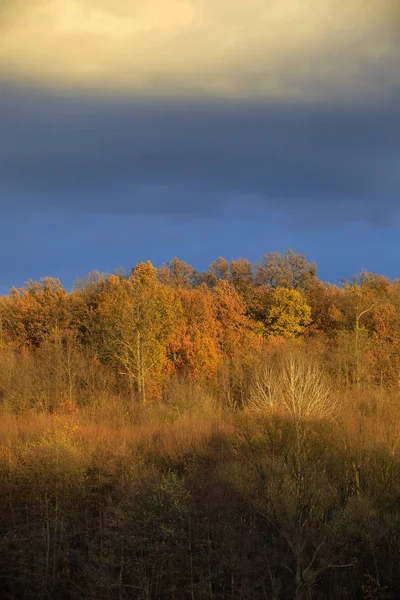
[(384, 348), (177, 273), (289, 270), (195, 347), (31, 313), (237, 329)]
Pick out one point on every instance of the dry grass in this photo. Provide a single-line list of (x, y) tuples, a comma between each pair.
[(115, 449), (152, 438), (17, 429), (372, 418), (100, 465)]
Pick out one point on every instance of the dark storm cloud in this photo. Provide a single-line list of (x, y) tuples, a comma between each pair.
[(78, 154)]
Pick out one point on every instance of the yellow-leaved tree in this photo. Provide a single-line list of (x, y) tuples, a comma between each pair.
[(289, 314), (139, 315)]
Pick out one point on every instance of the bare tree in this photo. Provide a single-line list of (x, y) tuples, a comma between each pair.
[(295, 384), (305, 389), (265, 391)]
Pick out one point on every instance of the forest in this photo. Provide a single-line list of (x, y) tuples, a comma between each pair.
[(227, 434)]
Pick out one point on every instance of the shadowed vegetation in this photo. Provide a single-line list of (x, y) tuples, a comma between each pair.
[(175, 434)]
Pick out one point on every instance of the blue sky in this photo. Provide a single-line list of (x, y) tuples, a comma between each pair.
[(49, 245), (238, 132)]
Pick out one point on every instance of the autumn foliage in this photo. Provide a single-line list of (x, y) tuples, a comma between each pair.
[(170, 433), (158, 324)]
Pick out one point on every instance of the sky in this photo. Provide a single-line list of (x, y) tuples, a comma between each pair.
[(198, 129)]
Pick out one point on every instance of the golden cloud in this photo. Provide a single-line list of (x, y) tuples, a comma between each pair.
[(229, 48)]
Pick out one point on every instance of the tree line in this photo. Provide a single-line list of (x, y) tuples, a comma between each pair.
[(134, 334), (234, 433)]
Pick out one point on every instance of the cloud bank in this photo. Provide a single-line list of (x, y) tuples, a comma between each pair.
[(310, 161), (226, 48)]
